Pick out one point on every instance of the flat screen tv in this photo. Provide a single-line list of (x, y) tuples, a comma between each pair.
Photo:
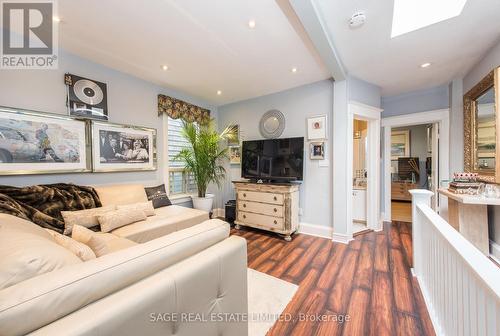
[(273, 160)]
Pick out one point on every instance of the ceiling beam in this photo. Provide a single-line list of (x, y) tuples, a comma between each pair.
[(315, 28)]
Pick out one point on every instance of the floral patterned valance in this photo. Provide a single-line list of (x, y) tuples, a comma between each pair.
[(176, 108)]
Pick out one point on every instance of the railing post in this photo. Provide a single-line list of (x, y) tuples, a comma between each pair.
[(418, 196)]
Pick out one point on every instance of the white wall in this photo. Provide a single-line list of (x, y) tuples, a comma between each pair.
[(130, 100), (297, 105)]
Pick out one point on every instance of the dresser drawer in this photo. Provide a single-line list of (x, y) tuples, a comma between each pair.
[(262, 220), (262, 197), (261, 208)]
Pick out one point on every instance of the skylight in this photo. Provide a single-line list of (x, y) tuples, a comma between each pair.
[(410, 15)]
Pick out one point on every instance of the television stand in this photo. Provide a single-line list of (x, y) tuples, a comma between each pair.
[(268, 206)]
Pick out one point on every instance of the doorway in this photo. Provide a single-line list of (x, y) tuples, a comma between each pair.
[(422, 168), (363, 168), (413, 160)]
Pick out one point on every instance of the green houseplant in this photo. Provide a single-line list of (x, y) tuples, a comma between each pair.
[(204, 159)]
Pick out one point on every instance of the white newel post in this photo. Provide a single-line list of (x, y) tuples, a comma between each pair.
[(418, 196)]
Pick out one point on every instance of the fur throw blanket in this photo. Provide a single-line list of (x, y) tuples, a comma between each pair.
[(42, 204)]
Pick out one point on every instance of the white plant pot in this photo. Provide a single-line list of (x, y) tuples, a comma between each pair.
[(203, 203)]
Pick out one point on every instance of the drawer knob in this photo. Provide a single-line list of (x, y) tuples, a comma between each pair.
[(244, 195), (244, 205), (244, 216), (275, 222), (275, 198), (275, 210)]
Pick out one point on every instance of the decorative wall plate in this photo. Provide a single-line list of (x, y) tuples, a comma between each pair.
[(272, 124)]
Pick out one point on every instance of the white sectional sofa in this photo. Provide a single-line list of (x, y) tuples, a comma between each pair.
[(180, 273), (166, 220)]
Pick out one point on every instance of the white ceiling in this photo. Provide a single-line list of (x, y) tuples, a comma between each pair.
[(206, 44), (369, 53)]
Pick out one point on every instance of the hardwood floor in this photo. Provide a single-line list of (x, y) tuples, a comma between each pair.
[(369, 280), (401, 211)]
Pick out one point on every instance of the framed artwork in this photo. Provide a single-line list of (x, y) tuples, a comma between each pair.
[(233, 135), (316, 128), (400, 144), (235, 155), (122, 148), (87, 98), (317, 150), (41, 143)]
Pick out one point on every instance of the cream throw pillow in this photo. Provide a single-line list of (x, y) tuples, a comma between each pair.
[(118, 218), (86, 218), (101, 243), (27, 252), (81, 250), (147, 207)]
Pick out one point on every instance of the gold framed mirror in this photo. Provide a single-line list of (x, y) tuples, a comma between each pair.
[(482, 127)]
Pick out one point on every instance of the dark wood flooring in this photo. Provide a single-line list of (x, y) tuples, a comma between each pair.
[(369, 280)]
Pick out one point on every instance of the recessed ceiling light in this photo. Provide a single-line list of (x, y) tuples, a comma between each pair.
[(294, 70), (412, 15), (251, 24), (219, 92), (425, 65), (56, 19), (164, 67)]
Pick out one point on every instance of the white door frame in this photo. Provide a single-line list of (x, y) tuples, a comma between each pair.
[(372, 115), (440, 117)]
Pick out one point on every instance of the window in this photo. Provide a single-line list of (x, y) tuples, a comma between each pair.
[(410, 15), (180, 181)]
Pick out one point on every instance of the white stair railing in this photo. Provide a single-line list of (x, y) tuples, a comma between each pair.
[(460, 285)]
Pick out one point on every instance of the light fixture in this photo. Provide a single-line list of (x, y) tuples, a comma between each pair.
[(164, 67), (357, 19), (294, 70), (251, 24), (219, 92), (425, 65), (56, 19), (412, 15)]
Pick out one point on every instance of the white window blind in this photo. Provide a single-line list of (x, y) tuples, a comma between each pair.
[(180, 181)]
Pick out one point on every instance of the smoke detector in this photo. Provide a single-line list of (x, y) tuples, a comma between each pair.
[(357, 19)]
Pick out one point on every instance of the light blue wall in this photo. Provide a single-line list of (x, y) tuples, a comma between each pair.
[(363, 92), (417, 101), (130, 101), (490, 60), (297, 105)]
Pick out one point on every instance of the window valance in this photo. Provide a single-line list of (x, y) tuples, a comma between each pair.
[(176, 108)]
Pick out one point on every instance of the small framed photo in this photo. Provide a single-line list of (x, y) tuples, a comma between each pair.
[(235, 155), (317, 150), (316, 128)]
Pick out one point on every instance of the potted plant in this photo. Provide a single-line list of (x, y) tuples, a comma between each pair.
[(204, 159)]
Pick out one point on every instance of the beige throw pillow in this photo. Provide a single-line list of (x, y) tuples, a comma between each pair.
[(101, 243), (81, 250), (118, 218), (25, 253), (86, 218), (147, 207)]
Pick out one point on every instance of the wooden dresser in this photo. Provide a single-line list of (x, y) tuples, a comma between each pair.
[(268, 206), (399, 190)]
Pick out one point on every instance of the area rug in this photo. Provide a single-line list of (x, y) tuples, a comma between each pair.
[(267, 299)]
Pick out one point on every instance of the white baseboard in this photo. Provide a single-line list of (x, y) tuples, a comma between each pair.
[(219, 212), (342, 238), (495, 250), (316, 230)]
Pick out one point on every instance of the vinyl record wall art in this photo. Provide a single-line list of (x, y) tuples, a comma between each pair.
[(87, 98)]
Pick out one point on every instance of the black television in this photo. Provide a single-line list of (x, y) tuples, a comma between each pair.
[(273, 160)]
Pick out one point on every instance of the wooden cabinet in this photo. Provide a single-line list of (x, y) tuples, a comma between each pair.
[(266, 206), (399, 190)]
